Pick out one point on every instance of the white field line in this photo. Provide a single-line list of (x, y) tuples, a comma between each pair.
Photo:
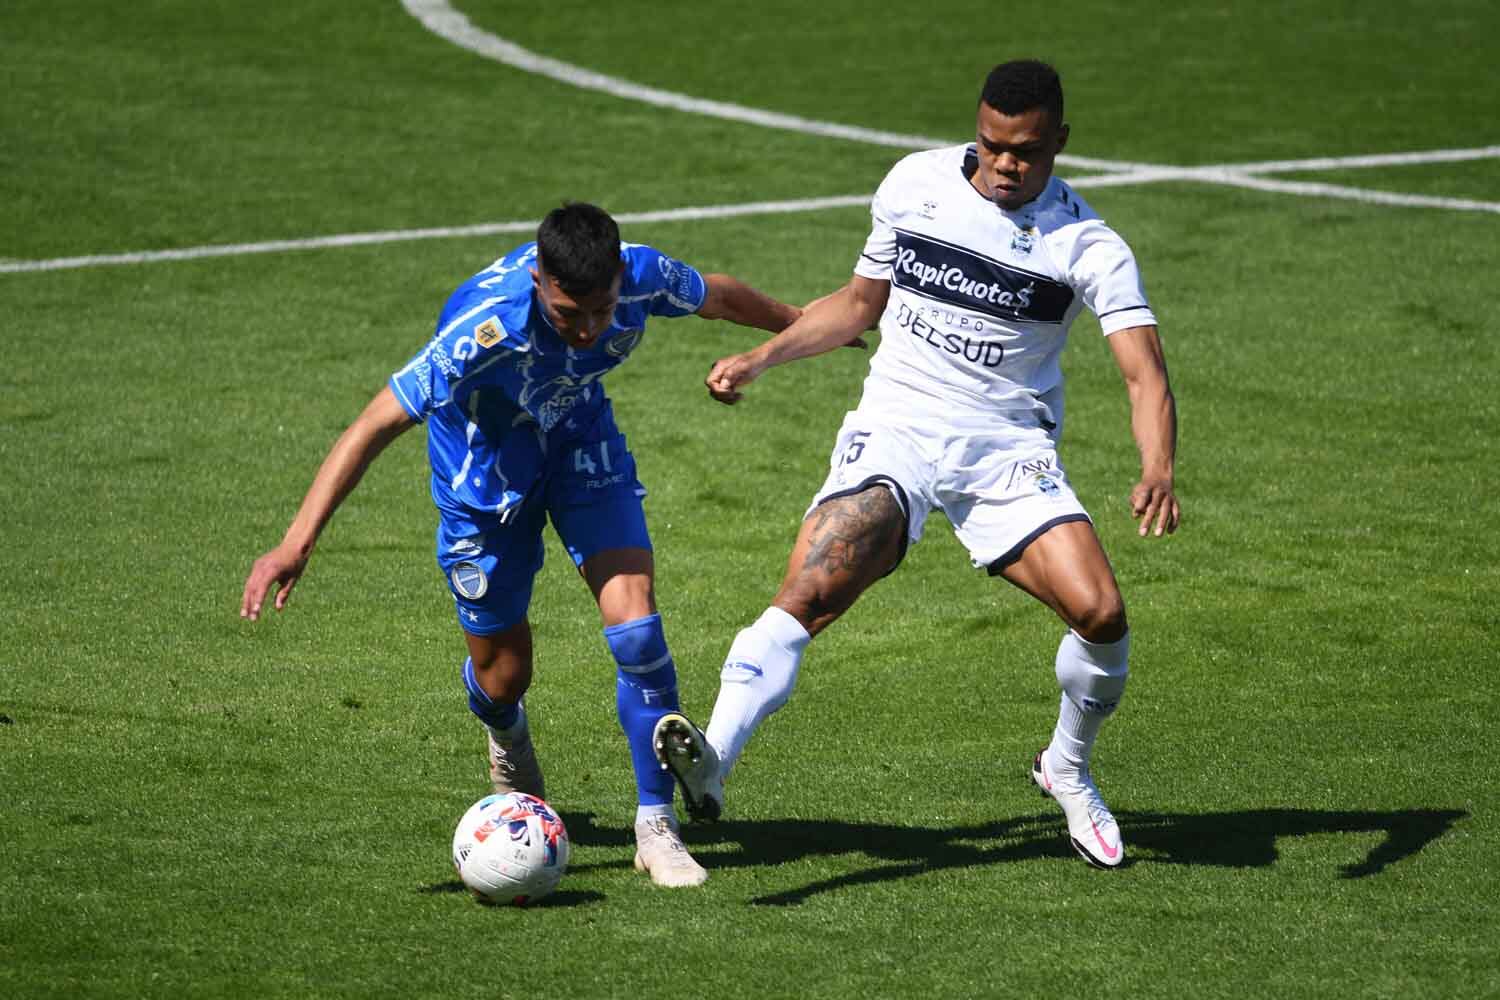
[(439, 17), (403, 235), (442, 19), (1243, 178)]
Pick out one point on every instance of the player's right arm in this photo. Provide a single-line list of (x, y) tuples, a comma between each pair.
[(382, 421), (829, 322)]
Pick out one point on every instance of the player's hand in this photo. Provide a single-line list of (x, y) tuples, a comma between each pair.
[(281, 567), (1153, 503), (728, 374)]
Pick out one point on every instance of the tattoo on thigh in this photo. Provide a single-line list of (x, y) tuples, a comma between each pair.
[(851, 533)]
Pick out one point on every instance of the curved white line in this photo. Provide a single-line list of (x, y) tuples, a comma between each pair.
[(439, 17)]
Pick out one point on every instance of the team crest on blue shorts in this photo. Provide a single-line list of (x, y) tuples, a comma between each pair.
[(469, 580)]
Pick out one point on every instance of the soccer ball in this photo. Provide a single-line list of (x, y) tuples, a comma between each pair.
[(510, 848)]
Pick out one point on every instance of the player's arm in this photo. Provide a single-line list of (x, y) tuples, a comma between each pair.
[(727, 297), (1153, 422), (382, 421), (829, 322)]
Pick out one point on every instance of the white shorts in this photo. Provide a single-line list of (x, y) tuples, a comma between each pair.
[(1000, 485)]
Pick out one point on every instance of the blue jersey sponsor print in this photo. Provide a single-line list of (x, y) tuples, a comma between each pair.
[(500, 391)]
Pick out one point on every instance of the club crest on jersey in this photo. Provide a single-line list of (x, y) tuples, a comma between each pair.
[(1021, 242), (469, 580), (623, 342), (488, 333), (928, 210)]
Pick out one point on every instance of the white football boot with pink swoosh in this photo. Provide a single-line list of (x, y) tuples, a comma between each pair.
[(1091, 826)]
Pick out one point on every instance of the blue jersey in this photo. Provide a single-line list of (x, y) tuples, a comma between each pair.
[(500, 390)]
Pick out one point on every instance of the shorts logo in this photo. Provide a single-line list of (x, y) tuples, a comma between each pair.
[(469, 580), (488, 333), (467, 546), (1047, 486)]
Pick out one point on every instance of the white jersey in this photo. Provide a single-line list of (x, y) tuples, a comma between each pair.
[(981, 298)]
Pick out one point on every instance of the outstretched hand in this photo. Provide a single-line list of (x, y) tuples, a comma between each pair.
[(1153, 503), (281, 567), (728, 374)]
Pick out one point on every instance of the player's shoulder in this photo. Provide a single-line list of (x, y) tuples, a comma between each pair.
[(654, 275), (1060, 207), (926, 166), (646, 267), (494, 305)]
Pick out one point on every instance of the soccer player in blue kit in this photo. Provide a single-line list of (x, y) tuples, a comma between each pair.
[(519, 430)]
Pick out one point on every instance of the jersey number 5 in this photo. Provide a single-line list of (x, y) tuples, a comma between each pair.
[(855, 448)]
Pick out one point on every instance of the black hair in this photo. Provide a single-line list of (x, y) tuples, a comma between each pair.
[(579, 247), (1022, 84)]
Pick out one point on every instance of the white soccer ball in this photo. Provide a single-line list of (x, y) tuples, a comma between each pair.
[(510, 848)]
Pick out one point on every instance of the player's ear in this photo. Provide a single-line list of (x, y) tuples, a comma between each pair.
[(1062, 136)]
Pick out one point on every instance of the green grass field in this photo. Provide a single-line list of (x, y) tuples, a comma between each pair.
[(1303, 768)]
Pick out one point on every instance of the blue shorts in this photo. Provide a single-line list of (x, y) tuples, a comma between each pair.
[(592, 496)]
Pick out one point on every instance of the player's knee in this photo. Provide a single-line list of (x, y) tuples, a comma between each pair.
[(502, 673), (815, 603), (1101, 618)]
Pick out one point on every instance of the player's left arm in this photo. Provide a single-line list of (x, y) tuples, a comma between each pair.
[(1153, 422), (729, 298)]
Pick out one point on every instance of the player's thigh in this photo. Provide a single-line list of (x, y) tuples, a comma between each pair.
[(489, 568), (845, 545), (595, 502), (1065, 568)]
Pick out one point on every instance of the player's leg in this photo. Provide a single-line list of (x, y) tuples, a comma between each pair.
[(604, 530), (844, 546), (1066, 569), (496, 676), (489, 573), (855, 533)]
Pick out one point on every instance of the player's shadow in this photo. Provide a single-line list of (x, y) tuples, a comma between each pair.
[(1244, 839)]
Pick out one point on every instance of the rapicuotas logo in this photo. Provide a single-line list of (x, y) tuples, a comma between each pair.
[(953, 279)]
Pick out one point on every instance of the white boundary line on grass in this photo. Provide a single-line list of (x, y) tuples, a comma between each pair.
[(436, 233), (440, 17)]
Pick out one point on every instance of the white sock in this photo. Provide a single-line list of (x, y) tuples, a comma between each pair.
[(645, 813), (1092, 675), (757, 679)]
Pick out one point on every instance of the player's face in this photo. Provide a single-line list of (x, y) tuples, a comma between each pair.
[(578, 319), (1016, 154)]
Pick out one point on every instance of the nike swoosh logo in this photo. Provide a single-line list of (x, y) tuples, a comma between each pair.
[(748, 668), (1109, 852)]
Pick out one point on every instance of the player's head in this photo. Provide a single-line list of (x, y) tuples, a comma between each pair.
[(578, 271), (1020, 131)]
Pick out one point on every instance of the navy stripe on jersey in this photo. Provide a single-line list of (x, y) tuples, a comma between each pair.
[(963, 278)]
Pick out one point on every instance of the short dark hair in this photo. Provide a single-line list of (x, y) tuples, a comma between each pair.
[(1022, 84), (579, 247)]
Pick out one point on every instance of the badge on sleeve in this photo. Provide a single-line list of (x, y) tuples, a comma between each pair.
[(488, 333)]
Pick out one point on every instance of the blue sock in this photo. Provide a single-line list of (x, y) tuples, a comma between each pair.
[(645, 690), (498, 715)]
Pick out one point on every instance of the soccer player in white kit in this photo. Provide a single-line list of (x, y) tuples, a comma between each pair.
[(978, 260)]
